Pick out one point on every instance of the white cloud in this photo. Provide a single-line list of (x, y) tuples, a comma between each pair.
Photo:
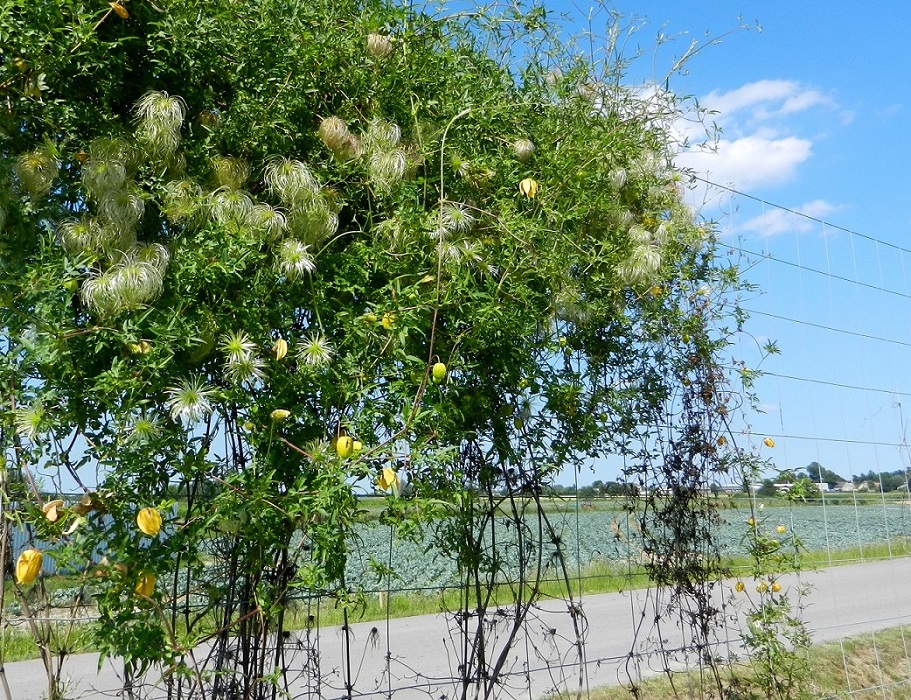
[(778, 221), (759, 144), (749, 162), (766, 99)]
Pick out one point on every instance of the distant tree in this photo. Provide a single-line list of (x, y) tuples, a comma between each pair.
[(767, 490), (820, 475)]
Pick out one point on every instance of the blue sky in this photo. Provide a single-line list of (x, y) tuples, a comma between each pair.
[(815, 117)]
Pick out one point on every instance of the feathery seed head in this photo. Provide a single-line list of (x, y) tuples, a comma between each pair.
[(293, 260), (523, 149), (121, 208), (102, 177), (290, 180), (316, 350), (379, 45), (382, 136), (237, 346), (268, 220), (36, 171), (231, 207), (334, 133), (189, 400), (182, 201), (387, 169), (230, 172), (160, 110)]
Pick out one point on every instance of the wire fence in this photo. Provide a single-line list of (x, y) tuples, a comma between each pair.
[(833, 301)]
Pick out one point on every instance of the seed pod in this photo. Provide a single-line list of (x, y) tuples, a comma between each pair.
[(149, 521), (28, 566)]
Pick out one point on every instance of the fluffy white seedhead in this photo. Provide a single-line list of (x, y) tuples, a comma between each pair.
[(523, 149), (268, 221), (102, 177), (36, 171), (290, 180), (159, 118), (386, 169), (455, 218), (382, 136), (641, 266), (617, 178), (134, 280), (313, 224), (293, 259), (229, 172), (189, 400), (122, 208), (250, 369), (334, 133), (182, 201), (231, 207), (79, 236), (379, 46), (316, 350), (237, 346)]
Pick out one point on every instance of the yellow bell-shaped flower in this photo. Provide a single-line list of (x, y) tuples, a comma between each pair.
[(146, 584), (344, 446), (28, 566), (768, 442), (281, 348), (149, 521), (389, 480), (529, 187)]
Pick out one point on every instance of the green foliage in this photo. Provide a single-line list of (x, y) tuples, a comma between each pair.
[(191, 191)]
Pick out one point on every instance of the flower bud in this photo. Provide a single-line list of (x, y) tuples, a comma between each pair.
[(281, 348), (439, 372), (279, 414)]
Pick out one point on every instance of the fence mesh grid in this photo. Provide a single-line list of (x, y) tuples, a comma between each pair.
[(834, 302)]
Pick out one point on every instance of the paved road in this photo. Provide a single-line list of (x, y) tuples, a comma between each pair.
[(625, 633)]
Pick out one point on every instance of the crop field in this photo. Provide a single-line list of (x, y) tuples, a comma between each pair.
[(609, 538)]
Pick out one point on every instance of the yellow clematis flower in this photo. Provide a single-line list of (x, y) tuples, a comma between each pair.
[(28, 566), (768, 442), (529, 187), (344, 446), (51, 510), (389, 480), (280, 348), (149, 521), (146, 584), (279, 414)]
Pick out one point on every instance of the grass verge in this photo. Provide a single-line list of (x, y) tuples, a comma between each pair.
[(876, 665)]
